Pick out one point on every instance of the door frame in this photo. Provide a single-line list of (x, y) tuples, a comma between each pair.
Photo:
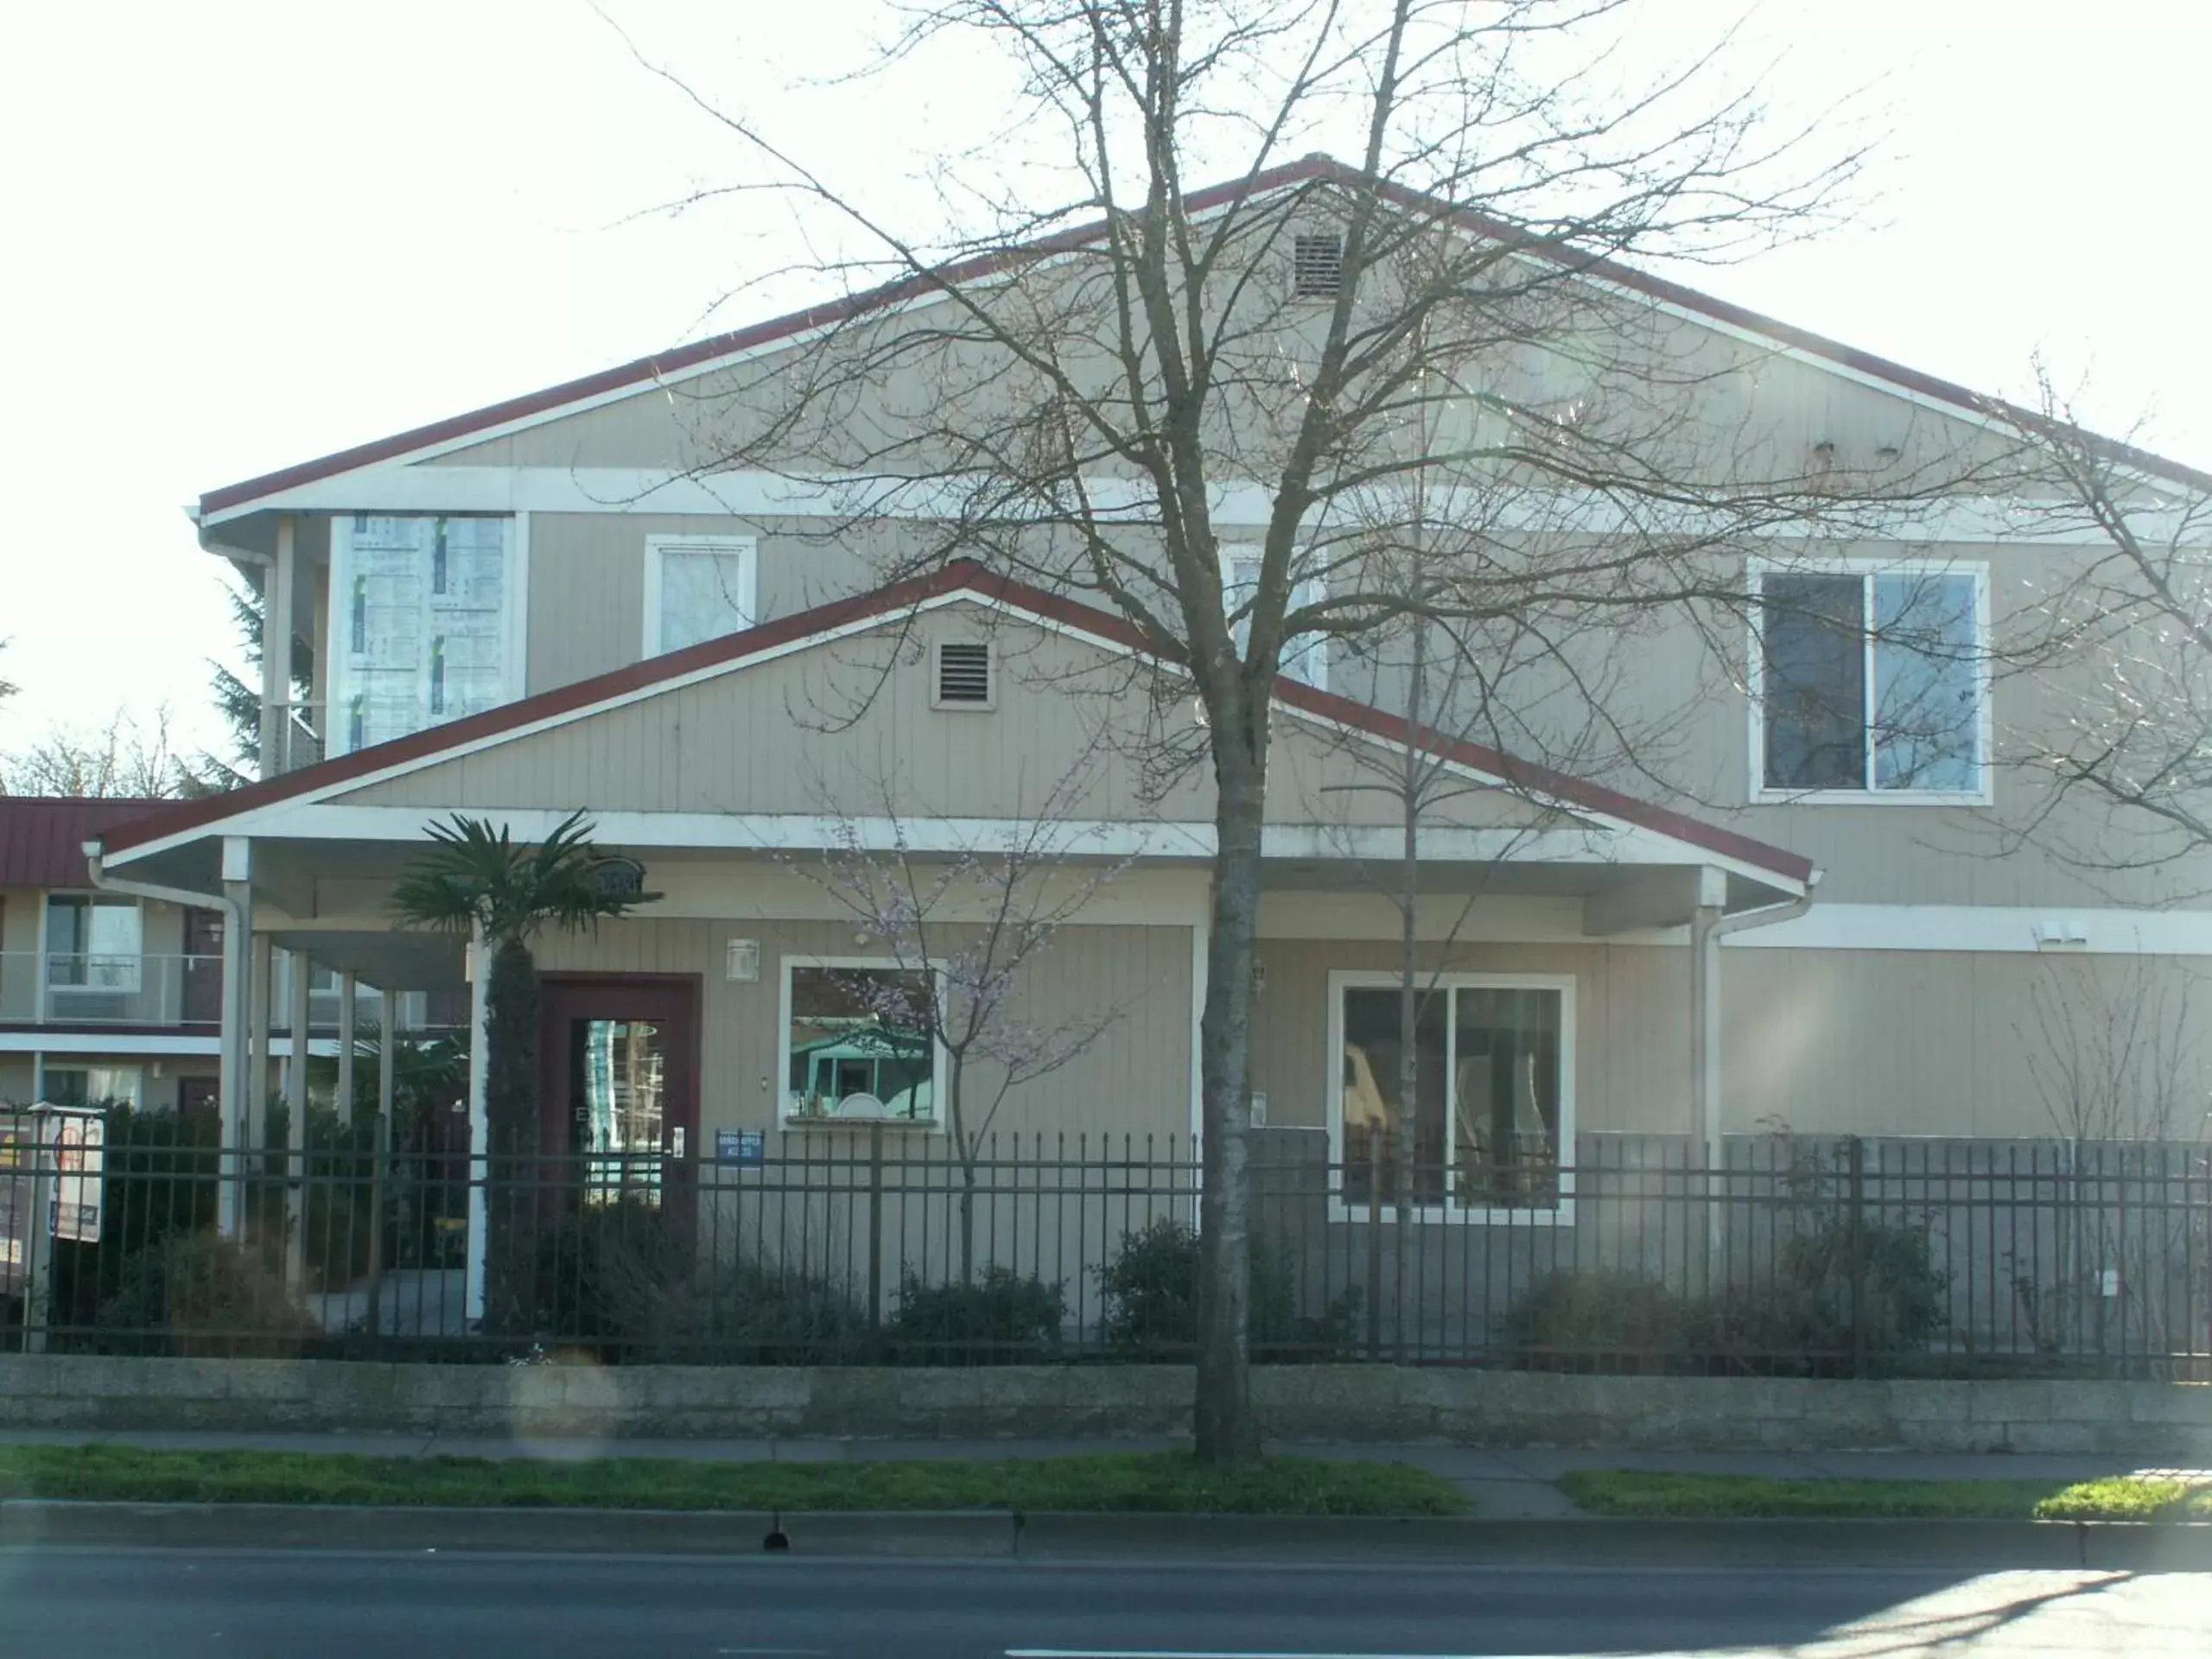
[(681, 1105)]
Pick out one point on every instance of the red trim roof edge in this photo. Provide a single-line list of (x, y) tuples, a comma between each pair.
[(645, 370), (957, 577)]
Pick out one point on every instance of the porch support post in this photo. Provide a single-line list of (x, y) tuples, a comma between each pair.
[(278, 594), (234, 1084), (261, 980), (480, 1138), (347, 985), (295, 1126)]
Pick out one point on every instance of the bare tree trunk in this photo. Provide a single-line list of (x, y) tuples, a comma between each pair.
[(1222, 1418), (1401, 1137), (964, 1149)]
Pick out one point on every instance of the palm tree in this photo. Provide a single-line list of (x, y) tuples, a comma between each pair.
[(477, 878)]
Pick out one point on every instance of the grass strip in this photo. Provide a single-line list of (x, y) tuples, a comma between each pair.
[(2120, 1498), (1126, 1483)]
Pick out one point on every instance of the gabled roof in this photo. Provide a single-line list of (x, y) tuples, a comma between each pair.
[(43, 837), (900, 599), (1311, 169)]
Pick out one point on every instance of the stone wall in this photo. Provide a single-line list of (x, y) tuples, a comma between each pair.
[(1350, 1403)]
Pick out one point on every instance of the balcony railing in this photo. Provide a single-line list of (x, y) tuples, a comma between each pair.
[(300, 736), (148, 989)]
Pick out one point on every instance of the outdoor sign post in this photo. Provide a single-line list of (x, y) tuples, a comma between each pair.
[(51, 1168)]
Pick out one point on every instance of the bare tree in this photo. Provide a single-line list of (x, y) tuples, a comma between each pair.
[(1097, 372), (966, 928), (2122, 646), (2117, 1056), (125, 758)]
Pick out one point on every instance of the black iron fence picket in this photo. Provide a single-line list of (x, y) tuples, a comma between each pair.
[(1796, 1255)]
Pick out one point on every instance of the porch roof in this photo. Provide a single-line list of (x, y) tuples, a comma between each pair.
[(244, 812)]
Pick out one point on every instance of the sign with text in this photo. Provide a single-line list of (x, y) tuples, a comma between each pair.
[(746, 1148)]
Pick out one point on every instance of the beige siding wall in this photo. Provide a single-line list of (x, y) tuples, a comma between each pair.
[(586, 581), (19, 915), (1821, 1041), (845, 728), (1136, 1080), (17, 1079)]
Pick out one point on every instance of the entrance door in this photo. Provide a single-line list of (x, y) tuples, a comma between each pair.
[(618, 1083), (203, 967)]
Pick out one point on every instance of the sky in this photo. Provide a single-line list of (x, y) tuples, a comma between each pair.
[(239, 235)]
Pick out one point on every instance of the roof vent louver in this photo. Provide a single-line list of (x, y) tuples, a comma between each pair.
[(1316, 266), (964, 677)]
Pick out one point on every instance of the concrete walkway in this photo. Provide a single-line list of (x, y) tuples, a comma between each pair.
[(1502, 1483)]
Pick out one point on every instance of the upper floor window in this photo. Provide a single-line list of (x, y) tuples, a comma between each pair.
[(1871, 680), (1305, 659), (423, 623), (93, 943), (696, 587)]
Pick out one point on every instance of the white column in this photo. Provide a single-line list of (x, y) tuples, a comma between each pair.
[(261, 983), (385, 1044), (346, 986), (279, 591), (480, 1139), (234, 1087), (295, 1126)]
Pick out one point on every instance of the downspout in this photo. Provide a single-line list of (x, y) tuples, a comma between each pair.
[(237, 923), (1709, 925)]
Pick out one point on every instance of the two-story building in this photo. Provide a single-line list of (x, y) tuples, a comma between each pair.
[(558, 603)]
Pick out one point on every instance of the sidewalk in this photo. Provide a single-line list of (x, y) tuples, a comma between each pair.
[(1503, 1485)]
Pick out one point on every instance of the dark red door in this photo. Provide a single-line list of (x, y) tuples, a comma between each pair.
[(619, 1083), (203, 967)]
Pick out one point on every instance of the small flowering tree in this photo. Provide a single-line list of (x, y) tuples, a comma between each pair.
[(963, 926)]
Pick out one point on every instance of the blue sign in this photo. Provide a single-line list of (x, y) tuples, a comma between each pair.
[(746, 1147)]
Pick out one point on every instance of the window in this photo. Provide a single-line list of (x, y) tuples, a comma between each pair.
[(697, 588), (1316, 262), (1871, 680), (90, 1086), (1305, 659), (93, 943), (1493, 1098), (857, 1045), (423, 615), (961, 676)]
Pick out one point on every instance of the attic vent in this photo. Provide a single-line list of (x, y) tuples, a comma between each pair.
[(964, 676), (1316, 266)]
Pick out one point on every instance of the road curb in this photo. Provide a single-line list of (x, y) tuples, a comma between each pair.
[(2117, 1546)]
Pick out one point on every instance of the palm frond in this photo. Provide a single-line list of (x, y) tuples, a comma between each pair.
[(476, 875)]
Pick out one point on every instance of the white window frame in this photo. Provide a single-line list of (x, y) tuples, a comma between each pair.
[(786, 1118), (338, 623), (1761, 794), (41, 1092), (89, 897), (747, 549), (1559, 1215), (1307, 590)]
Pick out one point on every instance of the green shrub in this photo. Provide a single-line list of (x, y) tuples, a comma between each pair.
[(626, 1278), (1150, 1290), (199, 1294), (1605, 1314), (1000, 1317), (744, 1313)]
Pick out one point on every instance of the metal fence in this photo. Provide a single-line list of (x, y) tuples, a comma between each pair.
[(1797, 1255)]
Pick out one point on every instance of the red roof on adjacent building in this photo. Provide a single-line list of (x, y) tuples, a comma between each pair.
[(43, 837)]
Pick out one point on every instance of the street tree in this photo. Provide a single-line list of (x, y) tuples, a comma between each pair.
[(966, 929), (1218, 410)]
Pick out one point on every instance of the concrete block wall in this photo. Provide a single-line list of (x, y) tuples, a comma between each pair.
[(1374, 1404)]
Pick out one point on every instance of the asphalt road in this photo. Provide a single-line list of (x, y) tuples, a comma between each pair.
[(120, 1604)]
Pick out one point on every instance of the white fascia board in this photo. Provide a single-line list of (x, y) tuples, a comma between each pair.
[(408, 487), (2008, 928)]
